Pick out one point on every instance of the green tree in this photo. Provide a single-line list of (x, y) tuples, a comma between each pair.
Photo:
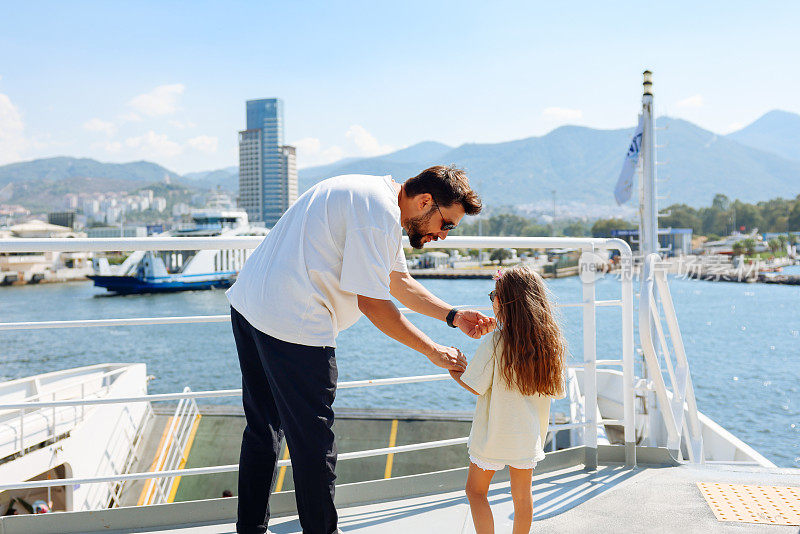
[(721, 202), (747, 215), (603, 227), (749, 245), (774, 214), (534, 229), (715, 221), (500, 254), (682, 216), (793, 221), (576, 229), (507, 224)]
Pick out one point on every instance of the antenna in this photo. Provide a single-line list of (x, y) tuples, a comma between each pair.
[(648, 209)]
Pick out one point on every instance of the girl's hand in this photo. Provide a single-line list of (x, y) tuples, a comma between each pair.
[(455, 375), (474, 323)]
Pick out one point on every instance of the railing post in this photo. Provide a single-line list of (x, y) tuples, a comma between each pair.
[(22, 432), (589, 370), (626, 273), (53, 397)]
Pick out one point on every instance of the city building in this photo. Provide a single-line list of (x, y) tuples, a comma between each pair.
[(62, 218), (267, 167), (102, 232), (34, 267), (673, 241), (71, 201), (180, 208)]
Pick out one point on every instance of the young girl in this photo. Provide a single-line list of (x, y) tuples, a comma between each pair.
[(515, 372)]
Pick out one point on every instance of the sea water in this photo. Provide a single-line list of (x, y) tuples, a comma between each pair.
[(742, 341)]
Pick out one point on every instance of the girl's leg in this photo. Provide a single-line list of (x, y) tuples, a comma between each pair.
[(477, 487), (523, 500)]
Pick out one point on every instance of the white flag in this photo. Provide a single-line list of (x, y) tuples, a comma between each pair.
[(624, 188)]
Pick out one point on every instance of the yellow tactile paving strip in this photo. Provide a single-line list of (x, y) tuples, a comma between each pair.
[(771, 505)]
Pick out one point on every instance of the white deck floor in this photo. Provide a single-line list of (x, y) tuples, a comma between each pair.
[(612, 499)]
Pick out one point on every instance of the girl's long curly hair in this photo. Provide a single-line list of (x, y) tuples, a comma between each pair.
[(533, 348)]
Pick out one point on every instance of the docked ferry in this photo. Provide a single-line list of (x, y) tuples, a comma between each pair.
[(169, 271)]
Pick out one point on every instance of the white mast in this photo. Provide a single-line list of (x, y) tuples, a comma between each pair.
[(648, 210)]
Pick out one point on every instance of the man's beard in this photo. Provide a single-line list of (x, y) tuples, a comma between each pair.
[(414, 228)]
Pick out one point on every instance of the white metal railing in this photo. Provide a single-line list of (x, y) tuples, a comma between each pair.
[(118, 486), (677, 404), (589, 304), (170, 457), (56, 421), (192, 319), (171, 473)]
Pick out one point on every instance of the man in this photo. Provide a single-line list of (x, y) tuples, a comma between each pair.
[(334, 255)]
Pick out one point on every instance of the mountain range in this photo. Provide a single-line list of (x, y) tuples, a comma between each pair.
[(758, 162), (777, 132)]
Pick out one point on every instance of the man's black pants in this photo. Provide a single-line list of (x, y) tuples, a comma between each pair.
[(286, 388)]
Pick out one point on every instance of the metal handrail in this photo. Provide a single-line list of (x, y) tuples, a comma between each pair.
[(77, 383), (193, 319), (281, 463), (215, 393), (672, 403), (589, 304), (83, 244)]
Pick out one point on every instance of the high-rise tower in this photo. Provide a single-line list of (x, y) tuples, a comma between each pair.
[(267, 168)]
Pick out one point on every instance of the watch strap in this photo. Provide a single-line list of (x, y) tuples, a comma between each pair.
[(451, 316)]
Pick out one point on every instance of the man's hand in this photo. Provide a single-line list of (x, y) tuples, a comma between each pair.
[(456, 375), (449, 358), (474, 323)]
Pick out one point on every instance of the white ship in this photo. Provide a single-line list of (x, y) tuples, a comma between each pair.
[(725, 246), (182, 270)]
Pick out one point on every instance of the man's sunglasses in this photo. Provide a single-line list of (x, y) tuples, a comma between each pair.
[(446, 226)]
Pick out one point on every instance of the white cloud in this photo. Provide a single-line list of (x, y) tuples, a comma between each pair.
[(366, 142), (309, 145), (152, 144), (99, 125), (12, 131), (182, 125), (163, 100), (129, 116), (734, 126), (310, 152), (333, 153), (112, 147), (358, 142), (204, 143), (695, 101), (562, 114)]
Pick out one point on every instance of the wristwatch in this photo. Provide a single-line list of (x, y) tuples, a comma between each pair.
[(451, 316)]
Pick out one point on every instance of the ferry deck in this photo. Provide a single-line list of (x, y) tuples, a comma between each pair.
[(641, 457)]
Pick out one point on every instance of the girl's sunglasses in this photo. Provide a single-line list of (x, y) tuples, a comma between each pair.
[(492, 293)]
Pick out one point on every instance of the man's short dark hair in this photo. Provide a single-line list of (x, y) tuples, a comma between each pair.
[(447, 186)]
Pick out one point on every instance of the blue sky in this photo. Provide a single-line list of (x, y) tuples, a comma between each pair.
[(167, 81)]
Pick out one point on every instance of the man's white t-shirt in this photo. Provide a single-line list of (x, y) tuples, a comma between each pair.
[(340, 239)]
